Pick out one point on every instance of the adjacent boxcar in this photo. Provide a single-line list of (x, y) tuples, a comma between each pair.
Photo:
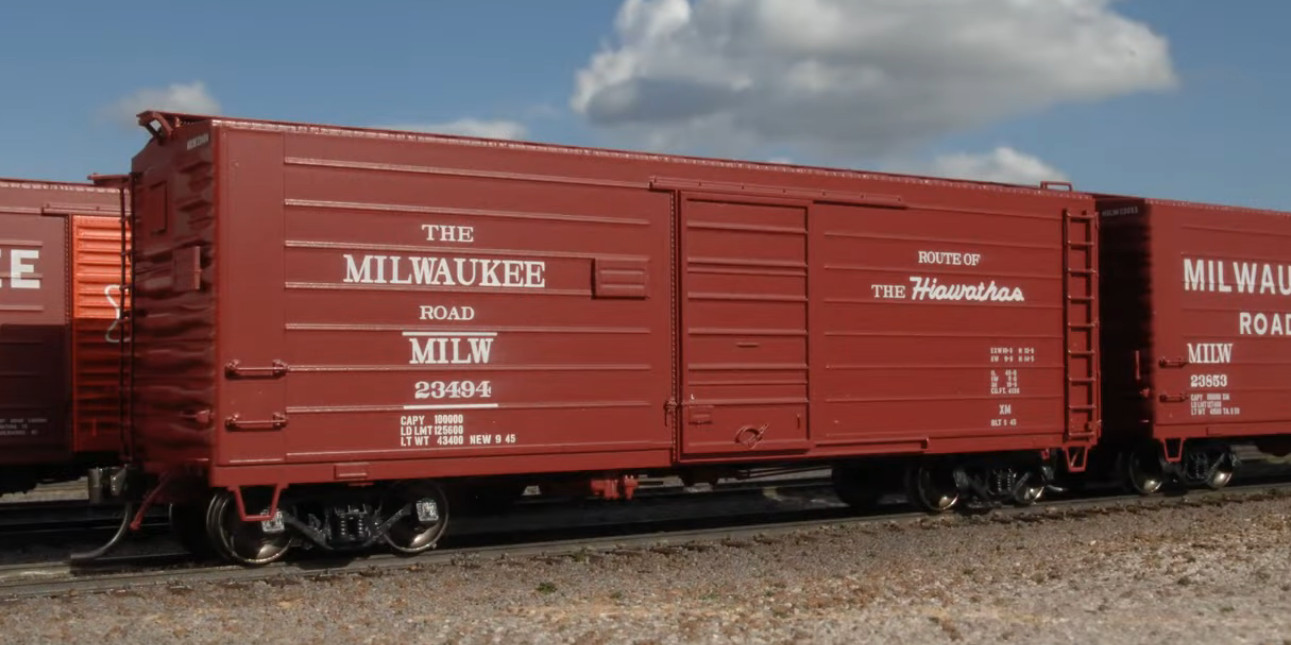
[(321, 309), (60, 275), (1198, 354)]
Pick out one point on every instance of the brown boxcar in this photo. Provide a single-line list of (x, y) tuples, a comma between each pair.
[(1197, 356), (334, 306), (60, 275)]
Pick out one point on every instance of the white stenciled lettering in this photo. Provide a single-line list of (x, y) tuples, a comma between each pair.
[(1006, 385), (353, 273), (491, 439), (1120, 212), (1211, 276), (889, 291), (453, 390), (949, 258), (1245, 274), (445, 272), (394, 272), (464, 349), (1194, 275), (1210, 353), (1208, 380), (931, 289), (1012, 354), (443, 233), (489, 277), (22, 269), (444, 312), (1249, 278), (1212, 403), (1263, 324), (446, 430), (112, 335)]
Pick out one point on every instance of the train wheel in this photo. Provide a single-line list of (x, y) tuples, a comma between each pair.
[(855, 487), (188, 523), (1142, 473), (419, 530), (931, 488), (1222, 472), (1028, 495), (246, 543)]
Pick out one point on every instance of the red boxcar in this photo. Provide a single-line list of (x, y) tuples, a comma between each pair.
[(1198, 355), (320, 308), (60, 356)]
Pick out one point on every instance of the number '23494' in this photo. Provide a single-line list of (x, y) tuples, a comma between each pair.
[(454, 390)]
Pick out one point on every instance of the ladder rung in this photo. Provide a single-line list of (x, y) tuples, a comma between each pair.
[(1085, 408), (1080, 245), (1082, 353), (1080, 298), (1080, 271), (1080, 326), (1081, 218), (1080, 381)]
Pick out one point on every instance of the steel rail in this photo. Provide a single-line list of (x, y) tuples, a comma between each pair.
[(172, 569), (69, 520)]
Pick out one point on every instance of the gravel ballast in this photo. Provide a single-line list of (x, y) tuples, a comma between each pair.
[(1198, 572)]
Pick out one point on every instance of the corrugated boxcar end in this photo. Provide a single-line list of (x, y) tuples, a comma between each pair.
[(172, 346), (1128, 364)]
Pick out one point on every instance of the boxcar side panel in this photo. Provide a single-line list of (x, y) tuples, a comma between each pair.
[(1222, 328), (34, 378), (940, 326), (450, 323), (250, 309)]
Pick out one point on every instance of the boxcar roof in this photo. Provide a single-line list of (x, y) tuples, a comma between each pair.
[(608, 153)]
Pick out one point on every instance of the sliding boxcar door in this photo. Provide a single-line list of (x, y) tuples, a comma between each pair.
[(743, 316)]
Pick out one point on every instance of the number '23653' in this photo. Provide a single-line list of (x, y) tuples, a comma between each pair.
[(1209, 380)]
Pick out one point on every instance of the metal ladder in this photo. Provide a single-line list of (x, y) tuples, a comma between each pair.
[(1081, 337)]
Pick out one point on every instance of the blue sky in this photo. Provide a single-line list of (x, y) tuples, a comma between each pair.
[(1219, 133)]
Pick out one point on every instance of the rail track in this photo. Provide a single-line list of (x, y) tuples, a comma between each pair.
[(62, 520), (538, 536)]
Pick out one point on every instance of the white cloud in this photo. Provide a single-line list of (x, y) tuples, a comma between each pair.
[(495, 129), (1003, 164), (190, 98), (855, 78)]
